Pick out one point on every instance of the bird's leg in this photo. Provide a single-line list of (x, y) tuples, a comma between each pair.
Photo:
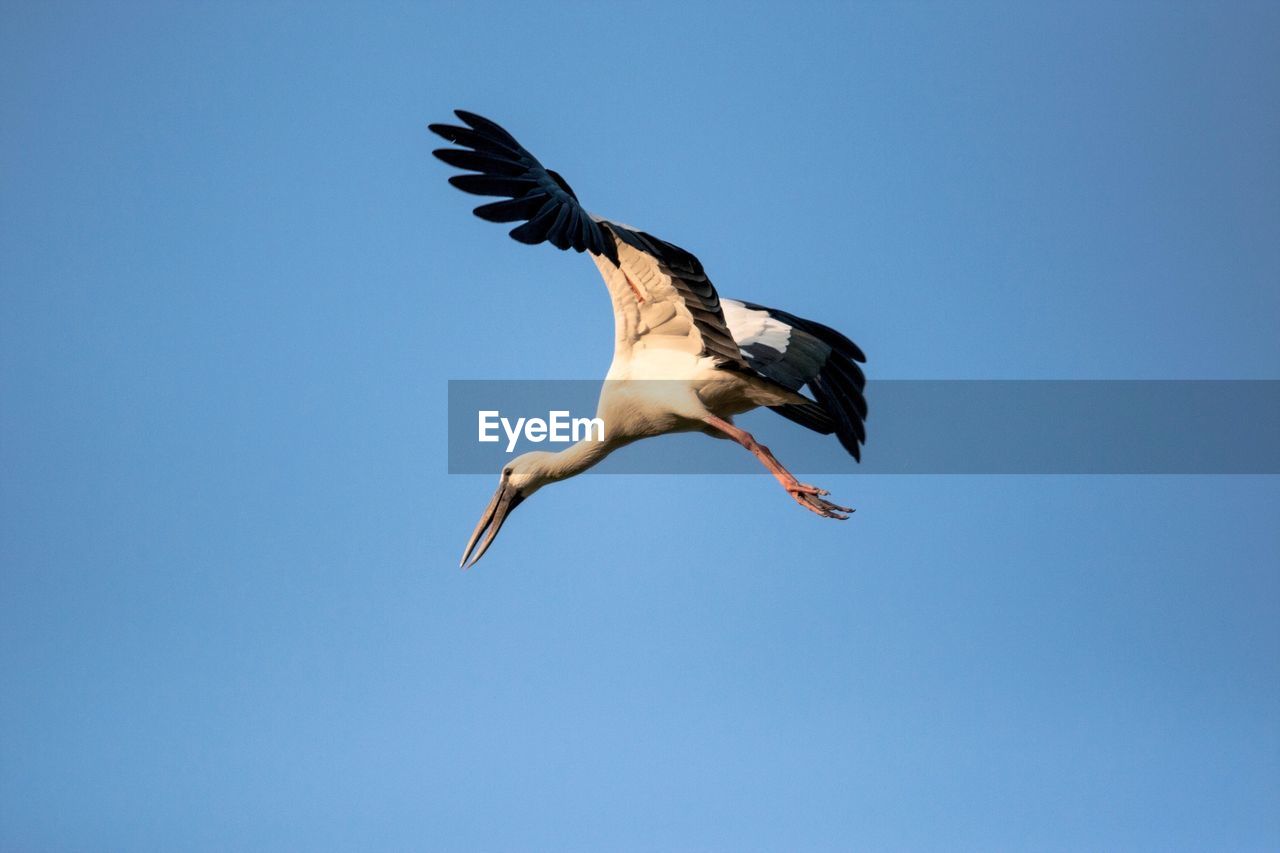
[(809, 497)]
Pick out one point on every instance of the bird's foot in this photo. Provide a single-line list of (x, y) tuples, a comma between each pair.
[(810, 497)]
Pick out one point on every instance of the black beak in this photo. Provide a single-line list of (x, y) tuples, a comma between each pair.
[(504, 501)]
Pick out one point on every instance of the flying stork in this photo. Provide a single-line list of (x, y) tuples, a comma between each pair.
[(717, 357)]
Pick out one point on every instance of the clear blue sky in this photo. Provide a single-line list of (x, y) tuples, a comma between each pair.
[(235, 284)]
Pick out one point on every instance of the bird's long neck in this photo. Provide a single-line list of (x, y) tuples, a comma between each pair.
[(579, 457)]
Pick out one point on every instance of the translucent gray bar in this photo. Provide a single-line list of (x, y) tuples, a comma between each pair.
[(934, 427)]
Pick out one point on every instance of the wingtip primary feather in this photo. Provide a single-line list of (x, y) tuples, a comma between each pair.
[(483, 125), (442, 130)]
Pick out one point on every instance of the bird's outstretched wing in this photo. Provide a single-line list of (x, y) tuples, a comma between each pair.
[(660, 292), (795, 352), (535, 196)]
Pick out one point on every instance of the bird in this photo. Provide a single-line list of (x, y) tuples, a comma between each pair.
[(684, 359)]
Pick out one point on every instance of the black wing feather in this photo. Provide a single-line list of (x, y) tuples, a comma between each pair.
[(477, 141), (512, 210), (558, 233), (477, 162), (535, 230), (494, 185), (487, 127)]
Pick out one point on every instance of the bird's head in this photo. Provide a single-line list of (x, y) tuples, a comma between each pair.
[(520, 478)]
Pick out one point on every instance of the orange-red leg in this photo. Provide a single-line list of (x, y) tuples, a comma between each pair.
[(809, 497)]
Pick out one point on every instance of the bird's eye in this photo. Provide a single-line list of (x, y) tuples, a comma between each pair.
[(506, 472)]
